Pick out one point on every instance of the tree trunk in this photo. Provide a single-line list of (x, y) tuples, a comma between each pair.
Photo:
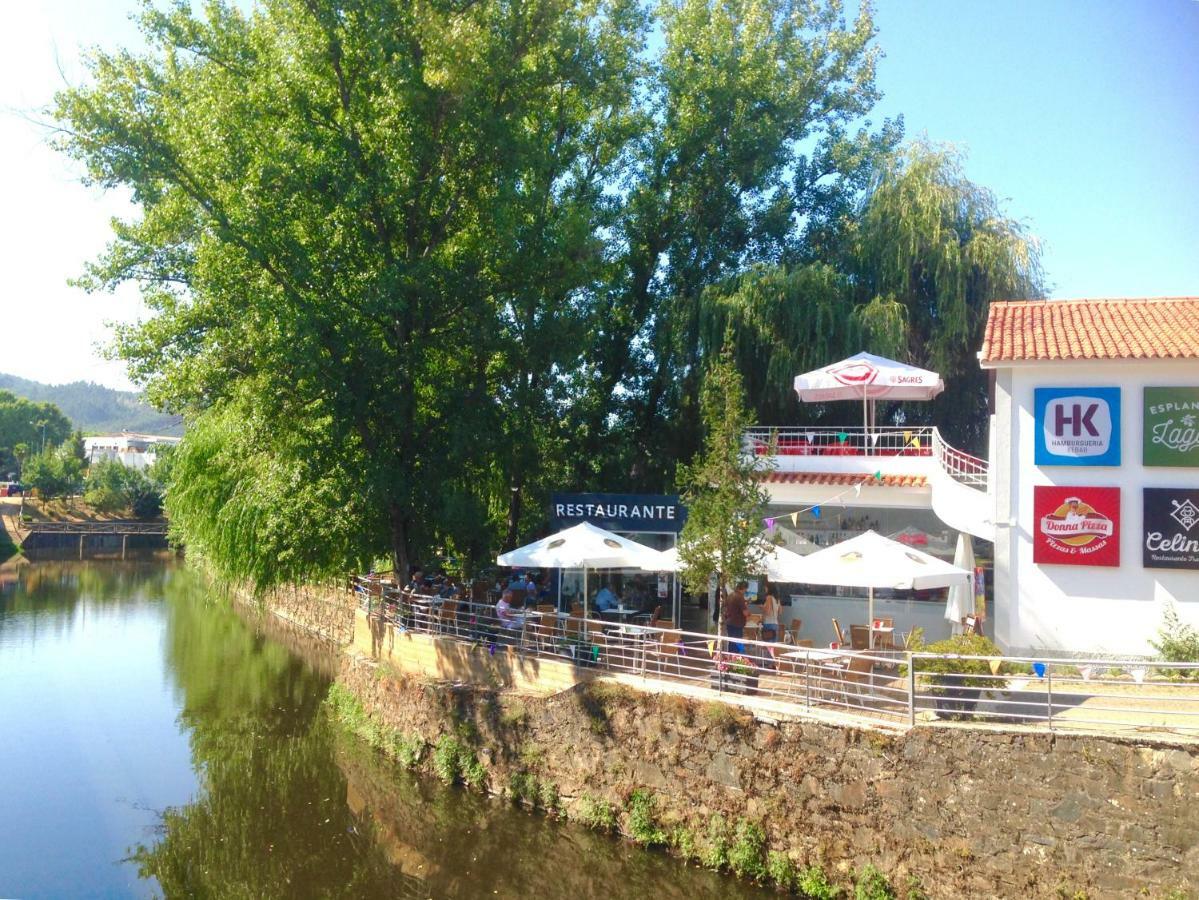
[(399, 543), (514, 507)]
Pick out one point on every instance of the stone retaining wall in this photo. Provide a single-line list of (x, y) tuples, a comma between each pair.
[(968, 812)]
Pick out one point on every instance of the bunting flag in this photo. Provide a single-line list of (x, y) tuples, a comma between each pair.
[(857, 490), (878, 476), (874, 436), (809, 437), (916, 443), (842, 437), (794, 518), (815, 512), (907, 436), (769, 523)]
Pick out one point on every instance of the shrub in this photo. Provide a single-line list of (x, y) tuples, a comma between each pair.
[(643, 825), (946, 673), (454, 762), (814, 884), (683, 841), (596, 813), (871, 884), (781, 870), (716, 854), (1176, 640), (747, 855)]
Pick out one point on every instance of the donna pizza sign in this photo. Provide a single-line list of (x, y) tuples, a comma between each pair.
[(1076, 526)]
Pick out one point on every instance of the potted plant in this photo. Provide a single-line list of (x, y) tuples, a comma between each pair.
[(955, 683), (736, 672)]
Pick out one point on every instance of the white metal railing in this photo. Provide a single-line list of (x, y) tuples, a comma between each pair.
[(880, 686), (915, 442)]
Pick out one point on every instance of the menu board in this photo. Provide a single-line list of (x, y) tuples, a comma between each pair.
[(1171, 428), (1171, 528), (1076, 526)]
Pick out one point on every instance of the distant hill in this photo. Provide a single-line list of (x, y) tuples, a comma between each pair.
[(95, 408)]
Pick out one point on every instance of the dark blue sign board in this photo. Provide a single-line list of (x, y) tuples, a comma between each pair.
[(1077, 426), (619, 512)]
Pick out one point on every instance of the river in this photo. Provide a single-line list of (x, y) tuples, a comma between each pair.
[(156, 742)]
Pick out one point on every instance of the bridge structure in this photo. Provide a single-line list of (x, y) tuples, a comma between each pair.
[(40, 535)]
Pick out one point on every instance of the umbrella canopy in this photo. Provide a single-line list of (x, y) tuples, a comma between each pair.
[(584, 546), (868, 377), (779, 563), (961, 596), (873, 561)]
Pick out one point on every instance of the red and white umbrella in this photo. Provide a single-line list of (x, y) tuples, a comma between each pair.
[(867, 377)]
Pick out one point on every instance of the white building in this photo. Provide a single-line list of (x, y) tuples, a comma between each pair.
[(1094, 470), (137, 451)]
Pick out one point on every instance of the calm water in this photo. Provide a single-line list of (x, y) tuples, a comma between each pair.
[(155, 743)]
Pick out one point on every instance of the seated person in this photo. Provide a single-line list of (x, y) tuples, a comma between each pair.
[(417, 582), (506, 612), (606, 600)]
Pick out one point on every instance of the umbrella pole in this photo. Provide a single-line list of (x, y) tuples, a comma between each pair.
[(870, 617), (584, 592)]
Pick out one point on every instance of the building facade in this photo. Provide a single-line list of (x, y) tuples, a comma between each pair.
[(1094, 471), (137, 451)]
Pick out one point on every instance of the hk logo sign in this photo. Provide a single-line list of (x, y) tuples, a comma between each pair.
[(1078, 426)]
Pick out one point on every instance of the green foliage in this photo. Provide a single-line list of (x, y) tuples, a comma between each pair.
[(55, 473), (913, 889), (715, 853), (978, 671), (345, 709), (112, 486), (455, 762), (814, 884), (781, 871), (682, 839), (597, 814), (747, 856), (724, 496), (871, 884), (1177, 641), (21, 431), (643, 824)]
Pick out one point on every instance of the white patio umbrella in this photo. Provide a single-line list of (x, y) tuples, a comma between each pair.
[(778, 564), (873, 561), (584, 546), (961, 596), (867, 377)]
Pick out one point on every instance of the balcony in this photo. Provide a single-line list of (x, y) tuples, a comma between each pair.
[(922, 469)]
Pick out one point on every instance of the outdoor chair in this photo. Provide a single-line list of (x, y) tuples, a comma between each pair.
[(664, 649), (447, 617), (479, 590), (837, 631), (796, 625), (858, 674), (885, 640), (666, 624), (859, 637)]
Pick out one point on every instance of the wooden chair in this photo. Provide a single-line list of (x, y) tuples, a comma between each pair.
[(665, 649), (447, 617), (796, 625), (664, 623), (837, 631), (885, 640), (857, 675), (859, 637), (576, 609), (654, 616)]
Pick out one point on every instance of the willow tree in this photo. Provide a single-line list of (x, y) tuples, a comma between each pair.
[(347, 210), (932, 249)]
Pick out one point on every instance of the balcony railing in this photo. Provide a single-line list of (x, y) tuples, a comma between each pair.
[(879, 444)]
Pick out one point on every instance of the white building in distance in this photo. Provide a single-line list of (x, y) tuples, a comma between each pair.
[(137, 451)]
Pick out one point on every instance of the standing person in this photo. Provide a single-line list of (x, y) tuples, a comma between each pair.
[(736, 614), (770, 622)]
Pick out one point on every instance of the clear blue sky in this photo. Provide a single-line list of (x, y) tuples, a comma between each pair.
[(1084, 114)]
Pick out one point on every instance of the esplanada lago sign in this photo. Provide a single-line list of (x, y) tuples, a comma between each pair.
[(619, 512), (1171, 528), (1171, 426), (1076, 526), (1077, 426)]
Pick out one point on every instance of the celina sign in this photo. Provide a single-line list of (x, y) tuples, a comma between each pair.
[(1171, 528), (1076, 526), (1078, 426)]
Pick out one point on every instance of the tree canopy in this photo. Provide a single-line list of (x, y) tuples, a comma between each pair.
[(413, 265), (25, 426)]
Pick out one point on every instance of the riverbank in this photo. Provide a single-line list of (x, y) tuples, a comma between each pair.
[(957, 811)]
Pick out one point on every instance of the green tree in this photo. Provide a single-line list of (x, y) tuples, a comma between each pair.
[(55, 473), (722, 488), (21, 423), (346, 215)]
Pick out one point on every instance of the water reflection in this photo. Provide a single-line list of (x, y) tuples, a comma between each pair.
[(206, 735)]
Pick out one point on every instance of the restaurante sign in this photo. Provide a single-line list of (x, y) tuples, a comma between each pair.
[(1171, 529), (1171, 431), (619, 512)]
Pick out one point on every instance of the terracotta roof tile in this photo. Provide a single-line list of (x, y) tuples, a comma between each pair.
[(846, 480), (1163, 328)]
